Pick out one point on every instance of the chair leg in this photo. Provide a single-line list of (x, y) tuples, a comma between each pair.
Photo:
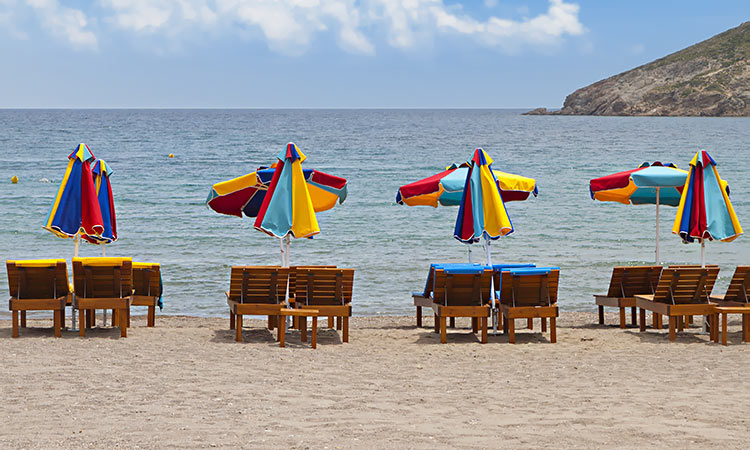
[(643, 319), (419, 317), (331, 323), (124, 321), (437, 323), (723, 328), (690, 320), (23, 319), (474, 324), (715, 327), (453, 322), (231, 320), (339, 323), (530, 323), (601, 314), (544, 324), (657, 321), (633, 316), (314, 337), (345, 331), (512, 331), (506, 321), (14, 333), (81, 322), (553, 329), (281, 331), (151, 316), (114, 317), (443, 332), (745, 328), (238, 326), (672, 324), (56, 321), (303, 328), (484, 330), (622, 317)]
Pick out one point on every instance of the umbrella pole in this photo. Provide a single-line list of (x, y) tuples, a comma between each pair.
[(469, 247), (281, 248), (657, 225), (104, 314), (288, 248), (492, 287), (72, 308), (703, 253)]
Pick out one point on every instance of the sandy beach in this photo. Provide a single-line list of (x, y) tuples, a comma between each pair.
[(187, 384)]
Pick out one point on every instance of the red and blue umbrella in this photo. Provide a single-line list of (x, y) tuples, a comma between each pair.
[(705, 211), (75, 209), (101, 172), (650, 184)]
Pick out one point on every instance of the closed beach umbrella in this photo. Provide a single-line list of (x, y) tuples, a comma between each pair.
[(705, 211), (75, 209), (102, 172), (482, 213), (447, 188), (650, 184)]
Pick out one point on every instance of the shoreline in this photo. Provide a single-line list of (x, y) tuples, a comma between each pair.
[(186, 383)]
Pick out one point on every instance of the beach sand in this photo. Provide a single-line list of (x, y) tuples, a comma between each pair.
[(187, 384)]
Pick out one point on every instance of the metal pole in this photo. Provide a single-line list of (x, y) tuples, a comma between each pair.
[(469, 247), (703, 253), (281, 247), (72, 307), (104, 314), (288, 248), (492, 286), (657, 225)]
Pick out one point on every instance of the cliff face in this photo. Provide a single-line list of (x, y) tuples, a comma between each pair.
[(711, 78)]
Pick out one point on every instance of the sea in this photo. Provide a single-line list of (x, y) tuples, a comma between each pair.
[(162, 216)]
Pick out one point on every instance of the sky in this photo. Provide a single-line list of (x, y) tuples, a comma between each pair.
[(335, 53)]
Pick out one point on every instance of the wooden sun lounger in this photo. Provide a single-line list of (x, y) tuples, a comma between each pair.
[(457, 294), (256, 291), (681, 292), (38, 285), (626, 282), (102, 283), (293, 288), (327, 290), (147, 288), (527, 294), (735, 301)]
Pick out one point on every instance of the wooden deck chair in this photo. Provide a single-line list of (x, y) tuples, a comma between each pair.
[(328, 290), (688, 320), (423, 299), (256, 291), (147, 288), (292, 289), (461, 292), (625, 283), (102, 283), (682, 291), (738, 292), (527, 293), (38, 285)]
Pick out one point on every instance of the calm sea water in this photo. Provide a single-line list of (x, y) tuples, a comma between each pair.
[(162, 217)]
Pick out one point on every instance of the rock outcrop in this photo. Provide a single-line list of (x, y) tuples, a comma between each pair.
[(711, 78)]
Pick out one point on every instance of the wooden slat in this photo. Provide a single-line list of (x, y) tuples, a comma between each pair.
[(462, 289)]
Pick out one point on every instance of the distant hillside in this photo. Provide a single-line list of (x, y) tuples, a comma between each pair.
[(711, 78)]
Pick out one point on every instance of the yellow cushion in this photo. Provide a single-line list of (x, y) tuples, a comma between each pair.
[(144, 265), (102, 261), (37, 262)]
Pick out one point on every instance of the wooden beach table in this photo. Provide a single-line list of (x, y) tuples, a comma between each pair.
[(735, 301), (302, 315)]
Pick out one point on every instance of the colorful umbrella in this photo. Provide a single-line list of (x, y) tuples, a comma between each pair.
[(705, 211), (245, 194), (656, 183), (446, 188), (75, 210), (102, 172)]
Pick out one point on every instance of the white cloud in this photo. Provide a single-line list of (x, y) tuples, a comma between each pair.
[(66, 23), (290, 26)]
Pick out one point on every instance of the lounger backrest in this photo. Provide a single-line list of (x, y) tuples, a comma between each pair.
[(685, 285), (146, 279), (293, 275), (711, 281), (739, 287), (529, 289), (258, 284), (630, 281), (103, 277), (462, 289), (38, 279), (324, 286)]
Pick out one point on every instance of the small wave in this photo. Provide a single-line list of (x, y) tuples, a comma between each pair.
[(44, 180)]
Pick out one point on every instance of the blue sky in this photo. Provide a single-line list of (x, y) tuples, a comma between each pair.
[(335, 53)]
